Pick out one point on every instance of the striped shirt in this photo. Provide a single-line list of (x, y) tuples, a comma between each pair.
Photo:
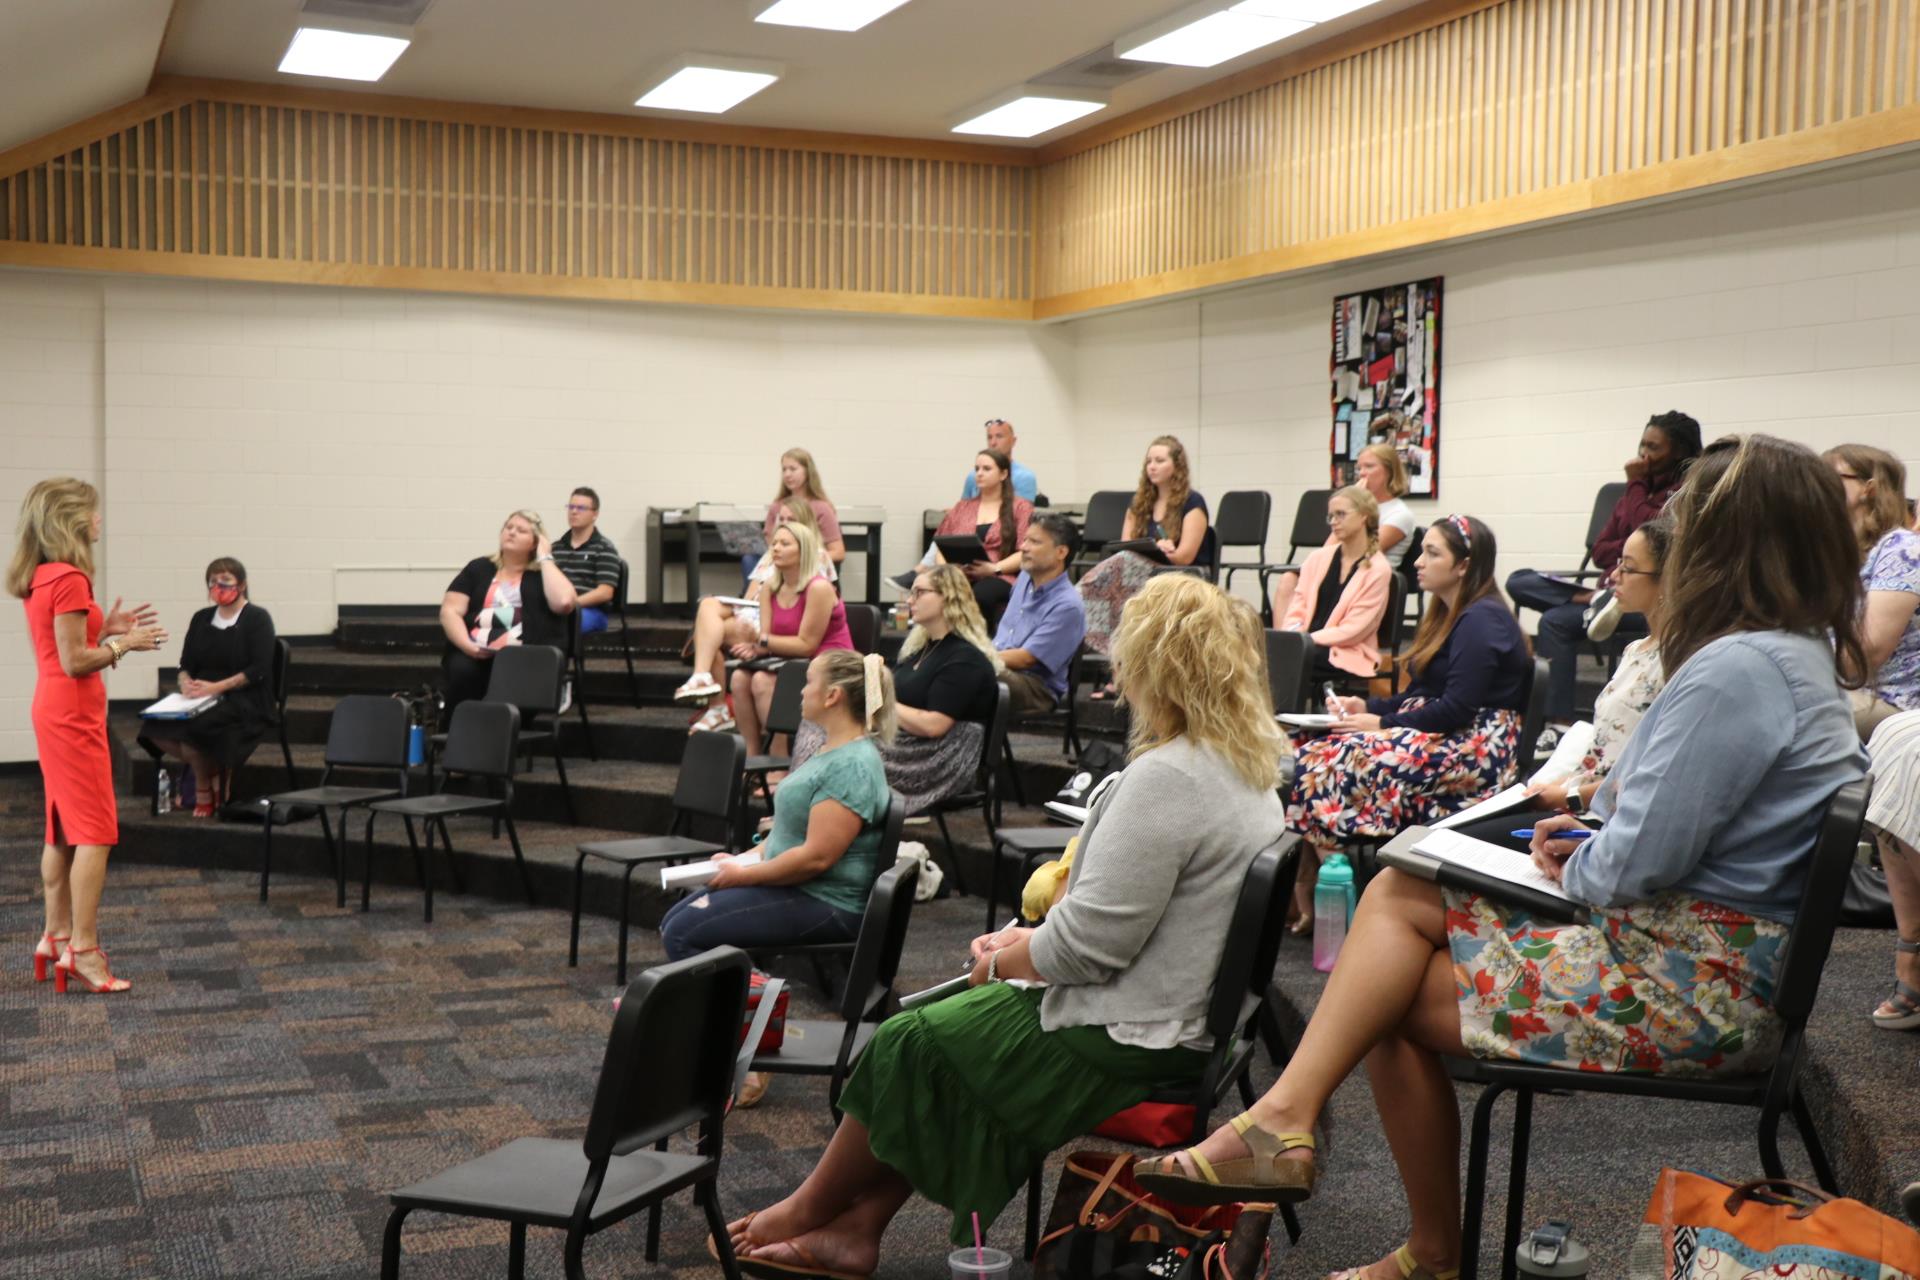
[(593, 563)]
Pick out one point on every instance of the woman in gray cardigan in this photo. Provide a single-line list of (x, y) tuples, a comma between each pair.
[(960, 1099), (1710, 818)]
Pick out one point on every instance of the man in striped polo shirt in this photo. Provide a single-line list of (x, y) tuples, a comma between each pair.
[(588, 559)]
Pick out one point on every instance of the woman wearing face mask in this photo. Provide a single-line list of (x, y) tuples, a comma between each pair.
[(228, 655), (517, 595)]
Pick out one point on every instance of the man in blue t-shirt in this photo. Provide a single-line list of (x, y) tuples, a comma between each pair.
[(1044, 622), (1001, 439)]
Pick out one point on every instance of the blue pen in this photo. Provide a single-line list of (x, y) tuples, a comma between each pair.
[(1576, 833)]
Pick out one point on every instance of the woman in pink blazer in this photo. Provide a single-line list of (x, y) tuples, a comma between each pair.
[(1344, 591)]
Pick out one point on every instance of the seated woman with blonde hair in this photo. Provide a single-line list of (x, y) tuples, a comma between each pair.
[(958, 1100), (1710, 821), (1345, 587), (517, 595), (946, 690), (800, 616)]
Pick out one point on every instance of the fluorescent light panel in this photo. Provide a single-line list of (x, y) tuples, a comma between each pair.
[(341, 55), (1028, 116), (1302, 10), (706, 89), (827, 15), (1210, 39)]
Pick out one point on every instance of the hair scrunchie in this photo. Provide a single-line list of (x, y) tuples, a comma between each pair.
[(873, 666)]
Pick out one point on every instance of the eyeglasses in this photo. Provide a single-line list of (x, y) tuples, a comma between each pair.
[(580, 506), (1621, 571), (917, 592), (222, 582), (1334, 517)]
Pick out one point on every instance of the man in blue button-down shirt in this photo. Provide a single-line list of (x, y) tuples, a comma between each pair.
[(1044, 622)]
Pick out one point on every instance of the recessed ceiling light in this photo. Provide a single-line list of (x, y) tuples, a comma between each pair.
[(1205, 35), (1026, 113), (828, 15), (1303, 10), (708, 84), (341, 55)]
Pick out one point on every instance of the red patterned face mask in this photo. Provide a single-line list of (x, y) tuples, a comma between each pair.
[(223, 595)]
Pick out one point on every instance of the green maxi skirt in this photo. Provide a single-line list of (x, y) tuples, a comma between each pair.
[(966, 1096)]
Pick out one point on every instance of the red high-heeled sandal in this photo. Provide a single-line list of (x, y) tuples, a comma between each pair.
[(206, 803), (46, 954), (65, 969)]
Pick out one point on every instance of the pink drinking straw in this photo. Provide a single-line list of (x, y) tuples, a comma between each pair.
[(979, 1250)]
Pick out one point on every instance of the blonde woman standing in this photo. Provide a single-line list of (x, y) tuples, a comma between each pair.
[(958, 1100), (73, 642)]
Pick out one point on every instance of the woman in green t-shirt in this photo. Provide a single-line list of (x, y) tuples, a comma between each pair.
[(816, 866)]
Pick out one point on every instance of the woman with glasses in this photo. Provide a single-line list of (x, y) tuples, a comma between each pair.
[(1345, 587), (228, 655), (1876, 485), (1380, 471)]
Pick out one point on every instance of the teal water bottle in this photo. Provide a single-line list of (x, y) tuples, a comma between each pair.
[(1333, 901)]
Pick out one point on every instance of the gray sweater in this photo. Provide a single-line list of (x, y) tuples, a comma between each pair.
[(1162, 856)]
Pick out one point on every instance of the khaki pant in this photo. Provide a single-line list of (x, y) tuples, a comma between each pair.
[(1029, 694)]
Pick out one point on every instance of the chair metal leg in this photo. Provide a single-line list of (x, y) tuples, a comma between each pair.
[(573, 945), (566, 792), (429, 870), (1475, 1204), (517, 1251), (626, 651), (1292, 1220), (953, 856), (709, 1197), (570, 1255), (1816, 1150), (390, 1246), (520, 860), (1517, 1182), (366, 870), (626, 903), (1033, 1214), (993, 882), (1770, 1142), (653, 1218), (266, 853), (413, 844), (333, 851), (1013, 772), (453, 865)]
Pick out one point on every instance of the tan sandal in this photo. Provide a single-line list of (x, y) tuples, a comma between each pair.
[(1264, 1175), (1411, 1268)]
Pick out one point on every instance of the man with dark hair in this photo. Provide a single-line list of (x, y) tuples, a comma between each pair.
[(1044, 623), (588, 559), (1668, 445)]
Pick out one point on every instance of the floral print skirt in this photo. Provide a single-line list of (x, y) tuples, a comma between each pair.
[(1674, 986), (1347, 785), (1105, 590)]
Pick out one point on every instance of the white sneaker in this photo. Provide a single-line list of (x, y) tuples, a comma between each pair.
[(717, 720), (698, 688)]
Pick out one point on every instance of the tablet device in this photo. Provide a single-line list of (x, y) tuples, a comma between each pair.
[(961, 548), (1140, 546)]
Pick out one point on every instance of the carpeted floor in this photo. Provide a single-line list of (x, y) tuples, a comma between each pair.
[(275, 1068)]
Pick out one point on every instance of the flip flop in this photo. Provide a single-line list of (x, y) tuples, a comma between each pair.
[(766, 1267)]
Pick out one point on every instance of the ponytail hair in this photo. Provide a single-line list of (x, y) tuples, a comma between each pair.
[(867, 686)]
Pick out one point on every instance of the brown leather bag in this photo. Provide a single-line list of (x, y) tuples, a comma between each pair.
[(1097, 1197)]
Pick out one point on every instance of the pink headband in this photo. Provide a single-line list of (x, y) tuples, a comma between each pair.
[(1466, 530)]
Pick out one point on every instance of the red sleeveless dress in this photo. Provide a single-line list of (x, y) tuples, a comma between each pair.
[(70, 716)]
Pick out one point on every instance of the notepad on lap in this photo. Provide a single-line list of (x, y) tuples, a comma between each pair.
[(694, 875), (1461, 862), (1306, 719), (178, 706)]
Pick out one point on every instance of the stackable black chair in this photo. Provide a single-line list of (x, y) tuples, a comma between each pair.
[(863, 624), (1106, 519), (577, 667), (1289, 654), (1775, 1091), (670, 1065), (822, 1047), (617, 611), (819, 955), (482, 744), (1413, 599), (367, 731), (1309, 527), (1533, 721), (708, 789), (1242, 522), (985, 791), (783, 718), (529, 677), (282, 665)]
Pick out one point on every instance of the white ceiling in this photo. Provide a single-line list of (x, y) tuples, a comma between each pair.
[(910, 74), (64, 60)]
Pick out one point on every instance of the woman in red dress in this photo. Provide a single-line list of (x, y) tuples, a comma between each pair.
[(52, 573)]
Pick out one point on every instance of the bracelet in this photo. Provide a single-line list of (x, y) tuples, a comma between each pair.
[(993, 962), (113, 647)]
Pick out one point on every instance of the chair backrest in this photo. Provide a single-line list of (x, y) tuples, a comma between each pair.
[(996, 741), (367, 731), (671, 1053), (529, 676), (1309, 521), (482, 740), (618, 605), (883, 938), (1253, 940), (1243, 518), (1533, 722), (1106, 516), (863, 624), (1394, 621), (1805, 954), (783, 713), (1288, 653), (282, 665), (1603, 504), (710, 772)]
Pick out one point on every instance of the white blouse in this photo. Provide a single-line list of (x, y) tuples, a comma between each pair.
[(1619, 708)]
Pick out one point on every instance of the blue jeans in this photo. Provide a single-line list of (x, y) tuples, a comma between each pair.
[(1563, 630), (592, 619), (753, 916)]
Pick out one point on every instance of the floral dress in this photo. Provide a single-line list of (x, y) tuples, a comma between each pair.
[(1674, 986), (1894, 565), (1636, 682)]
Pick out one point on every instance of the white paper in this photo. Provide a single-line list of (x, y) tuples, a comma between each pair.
[(1512, 799), (694, 875), (1488, 859), (738, 602), (1305, 720), (180, 706)]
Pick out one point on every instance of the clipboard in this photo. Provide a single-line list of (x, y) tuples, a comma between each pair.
[(1140, 547), (1402, 853), (961, 548)]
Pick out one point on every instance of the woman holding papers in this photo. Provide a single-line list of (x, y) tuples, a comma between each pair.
[(1716, 805), (998, 517), (228, 656), (1453, 735), (959, 1099), (73, 642)]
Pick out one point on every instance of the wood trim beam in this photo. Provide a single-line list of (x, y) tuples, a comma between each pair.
[(61, 141), (249, 93)]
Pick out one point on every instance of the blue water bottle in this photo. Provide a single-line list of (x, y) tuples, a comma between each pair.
[(1333, 900)]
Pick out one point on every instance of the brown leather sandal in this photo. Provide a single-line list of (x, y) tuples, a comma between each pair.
[(1411, 1268), (1264, 1175)]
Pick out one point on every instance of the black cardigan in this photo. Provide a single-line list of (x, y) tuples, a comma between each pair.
[(215, 653)]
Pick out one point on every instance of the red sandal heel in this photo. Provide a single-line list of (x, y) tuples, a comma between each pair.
[(66, 969), (46, 955)]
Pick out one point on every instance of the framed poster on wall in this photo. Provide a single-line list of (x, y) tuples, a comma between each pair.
[(1386, 380)]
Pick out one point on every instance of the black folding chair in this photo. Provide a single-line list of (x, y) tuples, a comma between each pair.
[(818, 954), (1242, 522), (783, 718), (708, 788), (820, 1047), (530, 676), (863, 625), (1533, 721), (577, 674), (366, 731), (1106, 519), (282, 665), (1774, 1091), (670, 1064), (617, 611), (1289, 654), (985, 791), (482, 744)]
